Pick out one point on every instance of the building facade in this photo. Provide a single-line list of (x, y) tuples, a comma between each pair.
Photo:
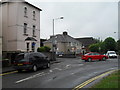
[(0, 33), (64, 44), (20, 27)]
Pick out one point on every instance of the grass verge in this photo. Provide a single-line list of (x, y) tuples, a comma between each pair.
[(111, 81)]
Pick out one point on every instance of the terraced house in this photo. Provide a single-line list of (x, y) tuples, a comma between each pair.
[(20, 26)]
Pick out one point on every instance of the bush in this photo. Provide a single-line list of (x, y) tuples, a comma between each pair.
[(44, 49)]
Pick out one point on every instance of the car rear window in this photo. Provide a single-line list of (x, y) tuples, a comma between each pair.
[(112, 53), (42, 55), (21, 58), (88, 54)]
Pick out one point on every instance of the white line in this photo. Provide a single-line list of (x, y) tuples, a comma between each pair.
[(57, 69), (50, 70), (33, 76), (72, 73), (79, 65), (67, 65)]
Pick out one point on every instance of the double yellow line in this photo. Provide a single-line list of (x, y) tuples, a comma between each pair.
[(91, 80), (8, 73)]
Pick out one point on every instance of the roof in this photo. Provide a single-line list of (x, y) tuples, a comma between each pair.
[(33, 6), (30, 39), (23, 1), (87, 40), (62, 38)]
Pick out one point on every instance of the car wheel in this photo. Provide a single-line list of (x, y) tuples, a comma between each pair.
[(48, 65), (89, 59), (86, 60), (34, 68), (103, 58)]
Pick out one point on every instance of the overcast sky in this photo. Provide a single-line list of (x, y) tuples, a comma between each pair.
[(81, 19)]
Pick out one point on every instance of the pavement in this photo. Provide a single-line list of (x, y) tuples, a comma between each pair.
[(10, 68)]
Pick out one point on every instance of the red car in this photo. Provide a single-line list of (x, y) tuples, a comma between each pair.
[(94, 56)]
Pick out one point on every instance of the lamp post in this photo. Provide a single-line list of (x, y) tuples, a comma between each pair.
[(53, 40), (117, 34)]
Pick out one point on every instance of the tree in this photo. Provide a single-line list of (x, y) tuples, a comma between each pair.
[(43, 49), (94, 47), (104, 46), (110, 44)]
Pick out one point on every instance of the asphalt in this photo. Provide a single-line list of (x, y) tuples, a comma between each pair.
[(65, 73), (10, 68)]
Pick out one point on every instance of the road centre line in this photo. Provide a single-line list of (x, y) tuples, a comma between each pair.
[(8, 73), (92, 79), (33, 76)]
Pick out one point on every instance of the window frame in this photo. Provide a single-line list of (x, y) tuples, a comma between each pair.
[(25, 28), (33, 31), (25, 11), (34, 15)]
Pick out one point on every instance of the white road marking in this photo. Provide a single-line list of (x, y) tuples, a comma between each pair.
[(57, 69), (72, 73), (80, 64), (67, 65), (33, 76), (50, 70)]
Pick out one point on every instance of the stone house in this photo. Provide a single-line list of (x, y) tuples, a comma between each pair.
[(64, 44)]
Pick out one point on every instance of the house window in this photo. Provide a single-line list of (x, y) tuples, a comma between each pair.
[(28, 47), (68, 44), (71, 44), (33, 15), (25, 28), (25, 12), (33, 30)]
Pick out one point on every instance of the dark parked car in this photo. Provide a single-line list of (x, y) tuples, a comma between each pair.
[(94, 56), (31, 61)]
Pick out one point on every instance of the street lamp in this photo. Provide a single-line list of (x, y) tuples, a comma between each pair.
[(54, 22), (117, 34), (53, 40)]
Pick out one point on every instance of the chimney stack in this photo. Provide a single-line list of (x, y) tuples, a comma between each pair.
[(65, 33)]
